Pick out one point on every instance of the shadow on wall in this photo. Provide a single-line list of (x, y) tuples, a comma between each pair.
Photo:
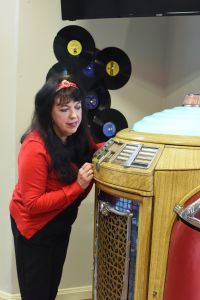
[(167, 51), (172, 63), (145, 40), (183, 53)]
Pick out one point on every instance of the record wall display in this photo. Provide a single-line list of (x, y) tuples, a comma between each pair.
[(97, 72), (57, 69), (97, 100), (74, 46), (113, 66), (107, 123)]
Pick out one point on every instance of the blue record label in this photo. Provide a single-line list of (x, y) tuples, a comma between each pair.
[(109, 129), (91, 101), (89, 70)]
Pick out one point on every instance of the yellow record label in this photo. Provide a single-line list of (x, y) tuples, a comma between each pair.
[(74, 47), (112, 68)]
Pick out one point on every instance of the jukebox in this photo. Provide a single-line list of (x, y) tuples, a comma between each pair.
[(147, 239)]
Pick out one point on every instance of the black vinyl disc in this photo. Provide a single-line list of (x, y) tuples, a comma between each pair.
[(107, 123), (113, 66), (96, 100), (74, 46), (57, 69), (87, 75)]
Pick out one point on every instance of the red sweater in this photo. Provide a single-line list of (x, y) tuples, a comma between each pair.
[(38, 196)]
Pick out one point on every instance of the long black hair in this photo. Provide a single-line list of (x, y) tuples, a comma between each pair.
[(66, 157)]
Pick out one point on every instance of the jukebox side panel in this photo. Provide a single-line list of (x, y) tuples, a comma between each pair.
[(116, 246), (182, 275)]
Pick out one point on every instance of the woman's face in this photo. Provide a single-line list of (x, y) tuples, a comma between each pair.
[(66, 118)]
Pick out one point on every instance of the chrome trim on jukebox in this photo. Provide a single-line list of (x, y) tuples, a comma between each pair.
[(188, 213), (105, 209), (102, 159), (135, 155)]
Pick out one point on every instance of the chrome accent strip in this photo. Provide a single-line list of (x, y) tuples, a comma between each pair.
[(106, 208), (188, 213), (98, 164), (133, 156), (118, 152)]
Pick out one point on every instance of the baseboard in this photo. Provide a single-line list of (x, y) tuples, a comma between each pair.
[(78, 293)]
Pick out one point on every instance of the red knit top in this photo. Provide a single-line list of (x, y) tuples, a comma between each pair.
[(38, 195)]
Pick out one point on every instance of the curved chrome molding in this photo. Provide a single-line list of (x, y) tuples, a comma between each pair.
[(106, 208), (188, 213)]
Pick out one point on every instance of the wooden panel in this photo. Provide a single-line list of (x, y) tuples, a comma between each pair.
[(143, 250), (124, 179), (158, 138), (181, 158), (170, 188), (120, 193)]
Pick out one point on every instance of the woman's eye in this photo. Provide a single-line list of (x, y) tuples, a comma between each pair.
[(78, 107), (64, 109)]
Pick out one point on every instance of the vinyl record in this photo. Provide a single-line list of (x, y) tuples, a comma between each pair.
[(74, 46), (97, 100), (107, 123), (87, 75), (57, 69), (113, 66)]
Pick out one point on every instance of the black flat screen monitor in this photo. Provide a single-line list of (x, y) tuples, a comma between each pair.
[(95, 9)]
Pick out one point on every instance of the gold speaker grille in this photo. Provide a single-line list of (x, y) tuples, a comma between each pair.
[(112, 260)]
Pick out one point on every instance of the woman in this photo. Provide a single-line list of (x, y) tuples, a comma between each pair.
[(54, 175)]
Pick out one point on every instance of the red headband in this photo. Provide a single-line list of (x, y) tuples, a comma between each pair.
[(65, 84)]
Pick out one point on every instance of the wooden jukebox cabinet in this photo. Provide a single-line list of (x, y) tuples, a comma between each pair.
[(147, 202)]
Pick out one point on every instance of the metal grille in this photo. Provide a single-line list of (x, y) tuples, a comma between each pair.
[(112, 262)]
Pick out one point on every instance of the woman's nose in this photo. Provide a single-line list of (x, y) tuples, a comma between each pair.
[(73, 113)]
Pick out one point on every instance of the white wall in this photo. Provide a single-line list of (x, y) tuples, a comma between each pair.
[(151, 44), (8, 58), (183, 59)]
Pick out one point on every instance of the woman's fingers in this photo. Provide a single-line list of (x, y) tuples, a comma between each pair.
[(90, 172), (85, 175), (87, 169)]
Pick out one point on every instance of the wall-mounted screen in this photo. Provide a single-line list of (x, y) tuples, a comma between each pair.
[(94, 9)]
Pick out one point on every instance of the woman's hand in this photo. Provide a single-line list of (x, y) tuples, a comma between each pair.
[(85, 175)]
